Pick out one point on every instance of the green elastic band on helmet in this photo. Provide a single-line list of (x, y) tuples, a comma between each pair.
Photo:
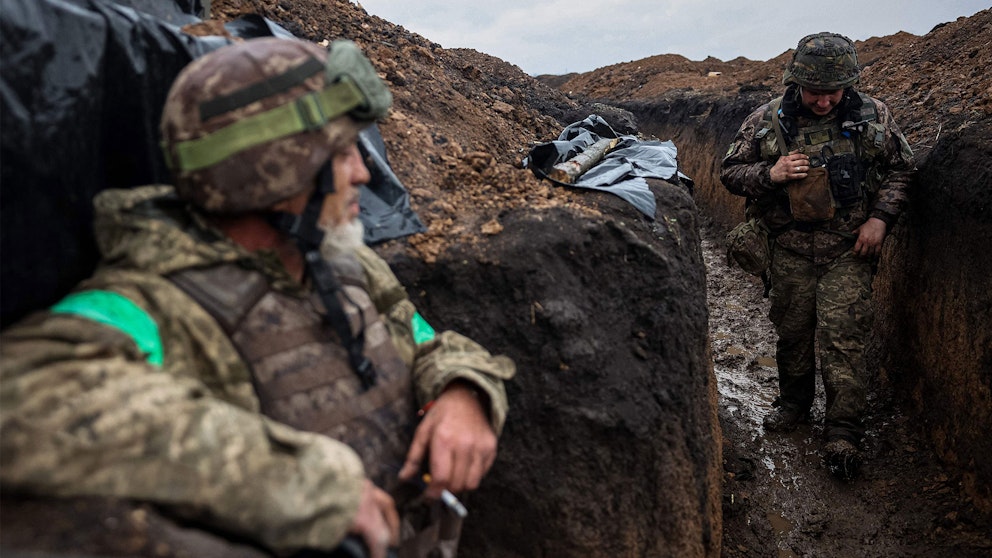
[(119, 312), (309, 112), (422, 331)]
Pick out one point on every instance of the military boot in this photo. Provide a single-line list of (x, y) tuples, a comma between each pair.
[(843, 459), (784, 419)]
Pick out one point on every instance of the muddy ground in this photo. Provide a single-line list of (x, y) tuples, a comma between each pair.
[(779, 499)]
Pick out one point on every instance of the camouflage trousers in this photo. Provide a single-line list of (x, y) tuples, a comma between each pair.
[(823, 311)]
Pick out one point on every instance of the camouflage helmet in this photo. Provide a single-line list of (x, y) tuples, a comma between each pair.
[(823, 61), (251, 123)]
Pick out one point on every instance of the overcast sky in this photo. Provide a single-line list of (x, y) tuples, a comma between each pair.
[(562, 36)]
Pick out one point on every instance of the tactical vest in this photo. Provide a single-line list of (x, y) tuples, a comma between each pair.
[(300, 371), (847, 146), (860, 127)]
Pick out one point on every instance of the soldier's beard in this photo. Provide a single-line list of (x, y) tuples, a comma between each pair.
[(342, 239)]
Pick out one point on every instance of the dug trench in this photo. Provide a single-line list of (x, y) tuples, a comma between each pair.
[(645, 364), (779, 500)]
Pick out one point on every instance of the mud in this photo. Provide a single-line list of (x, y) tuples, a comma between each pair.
[(779, 499)]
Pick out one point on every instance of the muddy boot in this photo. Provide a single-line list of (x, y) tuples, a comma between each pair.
[(843, 459), (784, 419)]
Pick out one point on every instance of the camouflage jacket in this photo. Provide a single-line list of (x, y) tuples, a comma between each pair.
[(888, 166), (86, 409)]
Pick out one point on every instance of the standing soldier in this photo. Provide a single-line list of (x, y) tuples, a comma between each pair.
[(827, 171)]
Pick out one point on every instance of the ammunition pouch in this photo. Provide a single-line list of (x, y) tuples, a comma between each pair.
[(747, 246), (845, 174), (811, 199)]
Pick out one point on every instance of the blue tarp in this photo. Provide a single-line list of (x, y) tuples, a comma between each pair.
[(622, 171)]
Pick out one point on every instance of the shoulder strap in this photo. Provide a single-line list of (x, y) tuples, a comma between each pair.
[(226, 292), (775, 106), (866, 112)]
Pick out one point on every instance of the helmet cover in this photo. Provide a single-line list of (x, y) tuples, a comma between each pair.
[(251, 123), (823, 61)]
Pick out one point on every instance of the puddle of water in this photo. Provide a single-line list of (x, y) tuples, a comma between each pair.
[(780, 523), (768, 362), (782, 527)]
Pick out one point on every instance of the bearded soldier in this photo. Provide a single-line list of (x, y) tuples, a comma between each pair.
[(240, 358)]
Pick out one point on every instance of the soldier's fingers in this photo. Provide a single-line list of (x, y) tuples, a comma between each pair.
[(415, 455)]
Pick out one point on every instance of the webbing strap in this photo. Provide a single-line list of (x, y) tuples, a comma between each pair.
[(328, 287), (309, 112), (777, 127), (261, 90), (308, 236)]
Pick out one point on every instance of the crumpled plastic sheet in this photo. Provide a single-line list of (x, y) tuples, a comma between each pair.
[(622, 171)]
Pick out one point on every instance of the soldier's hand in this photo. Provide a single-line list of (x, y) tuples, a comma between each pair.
[(461, 443), (377, 521), (793, 166), (871, 233)]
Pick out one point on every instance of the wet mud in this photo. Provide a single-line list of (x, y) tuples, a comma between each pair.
[(779, 498)]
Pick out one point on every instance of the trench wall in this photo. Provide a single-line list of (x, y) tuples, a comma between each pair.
[(933, 294), (573, 300)]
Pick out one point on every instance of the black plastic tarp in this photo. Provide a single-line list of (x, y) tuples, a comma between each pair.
[(622, 171), (82, 83)]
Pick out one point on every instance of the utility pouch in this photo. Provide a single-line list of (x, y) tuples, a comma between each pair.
[(747, 245), (810, 199), (844, 172)]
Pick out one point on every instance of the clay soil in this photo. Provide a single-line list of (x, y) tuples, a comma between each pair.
[(462, 121)]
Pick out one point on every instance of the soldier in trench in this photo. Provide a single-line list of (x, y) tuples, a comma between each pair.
[(826, 172), (241, 359)]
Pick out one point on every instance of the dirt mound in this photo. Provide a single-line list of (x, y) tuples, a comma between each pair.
[(932, 83)]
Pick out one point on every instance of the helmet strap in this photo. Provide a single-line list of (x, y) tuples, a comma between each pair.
[(305, 229), (325, 178), (791, 107), (850, 103)]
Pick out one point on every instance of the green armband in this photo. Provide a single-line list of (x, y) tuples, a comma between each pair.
[(117, 311), (422, 331)]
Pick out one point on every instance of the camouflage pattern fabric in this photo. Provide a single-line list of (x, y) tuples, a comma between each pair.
[(302, 375), (825, 61), (820, 291), (83, 413), (259, 175), (888, 163), (829, 305)]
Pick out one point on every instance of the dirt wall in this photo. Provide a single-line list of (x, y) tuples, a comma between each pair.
[(614, 402), (934, 304), (701, 125)]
